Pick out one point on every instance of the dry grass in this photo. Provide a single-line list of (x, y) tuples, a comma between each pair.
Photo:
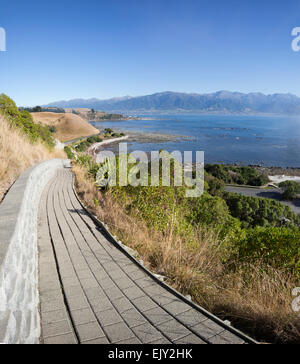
[(18, 154), (68, 126), (257, 299)]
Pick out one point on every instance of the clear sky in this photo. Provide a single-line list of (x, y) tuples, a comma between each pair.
[(104, 48)]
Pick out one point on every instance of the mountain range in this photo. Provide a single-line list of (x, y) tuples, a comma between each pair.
[(218, 102)]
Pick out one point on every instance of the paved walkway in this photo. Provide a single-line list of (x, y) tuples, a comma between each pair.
[(92, 293)]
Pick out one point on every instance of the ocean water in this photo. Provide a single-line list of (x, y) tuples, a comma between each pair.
[(265, 140)]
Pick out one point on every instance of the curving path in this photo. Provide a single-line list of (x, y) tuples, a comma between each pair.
[(91, 292)]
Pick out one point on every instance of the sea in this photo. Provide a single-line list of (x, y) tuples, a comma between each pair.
[(229, 139)]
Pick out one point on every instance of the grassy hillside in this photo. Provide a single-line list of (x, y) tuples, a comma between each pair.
[(235, 259), (67, 126), (22, 143)]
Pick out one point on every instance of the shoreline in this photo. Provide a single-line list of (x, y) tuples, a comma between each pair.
[(155, 137), (93, 149)]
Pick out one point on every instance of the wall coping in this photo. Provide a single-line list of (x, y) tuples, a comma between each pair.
[(19, 296)]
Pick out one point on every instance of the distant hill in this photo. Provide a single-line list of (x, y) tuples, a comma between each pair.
[(218, 102), (93, 115), (68, 126)]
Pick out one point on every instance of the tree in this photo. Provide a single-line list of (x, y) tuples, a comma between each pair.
[(37, 109), (108, 131), (52, 128), (8, 107), (215, 186), (255, 211), (239, 175), (290, 190)]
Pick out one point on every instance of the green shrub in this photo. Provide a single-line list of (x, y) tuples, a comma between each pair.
[(278, 247), (213, 212), (108, 131), (254, 211), (290, 190), (69, 153), (237, 175), (89, 163), (52, 129), (83, 145), (214, 186), (37, 109)]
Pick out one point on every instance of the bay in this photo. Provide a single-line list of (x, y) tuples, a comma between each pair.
[(264, 140)]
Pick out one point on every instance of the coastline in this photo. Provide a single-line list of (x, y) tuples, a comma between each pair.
[(145, 137), (94, 149), (212, 137)]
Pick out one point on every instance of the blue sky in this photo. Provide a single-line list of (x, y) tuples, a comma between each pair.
[(82, 49)]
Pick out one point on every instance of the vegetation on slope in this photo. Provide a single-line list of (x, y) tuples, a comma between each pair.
[(244, 273), (23, 121), (96, 115), (43, 109), (291, 190), (254, 211), (68, 126), (237, 175), (22, 143)]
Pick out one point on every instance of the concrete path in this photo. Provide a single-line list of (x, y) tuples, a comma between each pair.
[(92, 293)]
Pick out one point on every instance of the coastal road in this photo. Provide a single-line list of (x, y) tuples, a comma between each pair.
[(92, 292), (273, 193)]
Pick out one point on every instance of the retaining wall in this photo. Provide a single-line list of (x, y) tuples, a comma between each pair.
[(19, 296)]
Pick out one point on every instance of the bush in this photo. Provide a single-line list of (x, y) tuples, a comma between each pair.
[(237, 175), (69, 153), (108, 131), (214, 213), (290, 190), (254, 211), (37, 109), (94, 139), (52, 129), (162, 208), (88, 162), (278, 247), (214, 186), (82, 146)]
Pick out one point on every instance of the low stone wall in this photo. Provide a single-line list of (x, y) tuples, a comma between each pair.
[(19, 297)]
